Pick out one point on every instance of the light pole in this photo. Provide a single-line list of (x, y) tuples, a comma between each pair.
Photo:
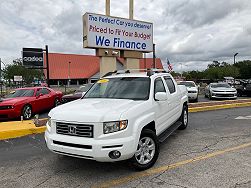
[(182, 69), (1, 84), (69, 79), (235, 56)]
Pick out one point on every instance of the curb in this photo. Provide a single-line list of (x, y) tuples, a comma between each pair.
[(218, 107), (14, 129)]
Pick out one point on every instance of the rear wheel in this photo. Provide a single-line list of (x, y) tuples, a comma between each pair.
[(147, 151), (27, 112), (184, 118)]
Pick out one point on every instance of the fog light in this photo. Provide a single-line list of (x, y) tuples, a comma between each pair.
[(114, 154)]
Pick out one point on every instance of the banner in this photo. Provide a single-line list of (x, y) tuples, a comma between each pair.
[(102, 31), (33, 57)]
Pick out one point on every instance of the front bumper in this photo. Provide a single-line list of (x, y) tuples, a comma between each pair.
[(9, 114), (192, 96), (223, 95), (91, 148)]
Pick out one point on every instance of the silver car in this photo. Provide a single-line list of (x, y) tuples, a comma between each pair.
[(220, 91)]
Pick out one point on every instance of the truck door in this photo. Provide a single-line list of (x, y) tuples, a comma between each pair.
[(174, 99), (161, 108)]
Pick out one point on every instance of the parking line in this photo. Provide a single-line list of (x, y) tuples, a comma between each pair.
[(153, 171)]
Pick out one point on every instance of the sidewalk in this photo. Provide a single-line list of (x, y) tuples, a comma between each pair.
[(13, 129)]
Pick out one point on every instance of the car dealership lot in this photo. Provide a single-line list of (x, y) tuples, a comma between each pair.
[(216, 137)]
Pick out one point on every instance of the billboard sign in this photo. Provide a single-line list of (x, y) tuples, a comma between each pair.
[(102, 31), (33, 57), (18, 78)]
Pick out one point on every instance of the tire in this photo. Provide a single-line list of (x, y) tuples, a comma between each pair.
[(239, 93), (210, 96), (27, 112), (205, 95), (184, 118), (196, 100), (148, 146), (57, 102)]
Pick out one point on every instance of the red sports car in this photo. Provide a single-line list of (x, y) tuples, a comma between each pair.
[(28, 101)]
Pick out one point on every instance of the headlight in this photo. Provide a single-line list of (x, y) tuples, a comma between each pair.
[(49, 121), (7, 107), (114, 126)]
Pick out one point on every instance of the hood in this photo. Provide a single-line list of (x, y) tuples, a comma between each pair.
[(12, 101), (92, 110), (222, 89)]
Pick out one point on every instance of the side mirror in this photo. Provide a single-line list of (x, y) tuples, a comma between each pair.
[(40, 95), (160, 96)]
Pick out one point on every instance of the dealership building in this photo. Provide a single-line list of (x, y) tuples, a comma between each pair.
[(82, 69)]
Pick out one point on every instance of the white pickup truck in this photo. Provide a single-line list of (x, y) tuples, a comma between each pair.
[(122, 116)]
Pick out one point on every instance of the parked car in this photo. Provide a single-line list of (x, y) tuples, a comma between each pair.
[(220, 91), (243, 87), (77, 94), (193, 90), (123, 116), (28, 101)]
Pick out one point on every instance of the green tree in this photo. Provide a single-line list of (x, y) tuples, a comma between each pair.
[(17, 69), (244, 68)]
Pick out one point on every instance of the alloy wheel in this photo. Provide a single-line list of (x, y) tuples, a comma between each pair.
[(145, 151)]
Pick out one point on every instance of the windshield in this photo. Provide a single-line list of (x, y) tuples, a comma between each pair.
[(135, 88), (21, 93), (220, 85), (84, 88), (187, 84)]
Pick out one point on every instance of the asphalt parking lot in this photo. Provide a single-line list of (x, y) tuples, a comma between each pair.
[(214, 151)]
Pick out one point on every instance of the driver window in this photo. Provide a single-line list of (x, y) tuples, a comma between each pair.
[(45, 91), (159, 86), (38, 92)]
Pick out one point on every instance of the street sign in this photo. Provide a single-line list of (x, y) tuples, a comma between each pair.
[(108, 32), (33, 57), (18, 78)]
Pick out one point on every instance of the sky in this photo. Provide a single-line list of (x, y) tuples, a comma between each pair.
[(190, 33)]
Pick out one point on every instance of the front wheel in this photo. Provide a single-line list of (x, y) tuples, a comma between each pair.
[(57, 102), (27, 112), (147, 151), (184, 118)]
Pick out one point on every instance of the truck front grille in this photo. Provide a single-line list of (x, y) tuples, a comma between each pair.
[(72, 129)]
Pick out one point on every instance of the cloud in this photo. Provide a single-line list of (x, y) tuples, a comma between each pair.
[(191, 33)]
